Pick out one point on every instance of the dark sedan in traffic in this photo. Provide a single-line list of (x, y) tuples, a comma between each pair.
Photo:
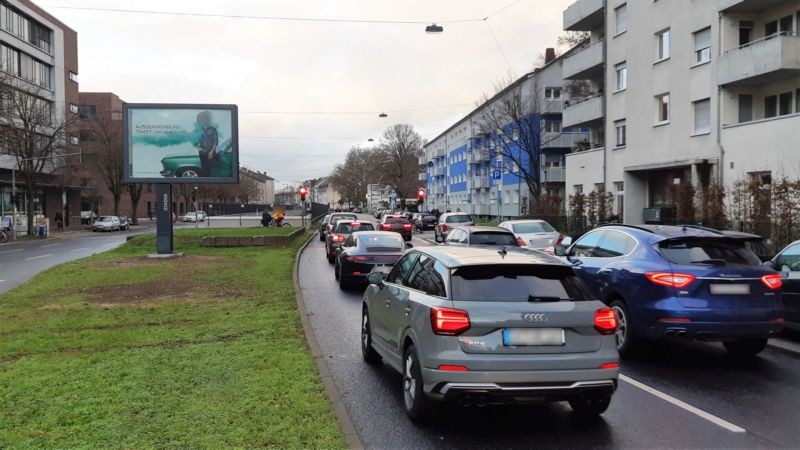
[(363, 251), (341, 231), (398, 224)]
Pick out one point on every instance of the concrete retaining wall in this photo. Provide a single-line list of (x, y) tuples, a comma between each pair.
[(250, 241)]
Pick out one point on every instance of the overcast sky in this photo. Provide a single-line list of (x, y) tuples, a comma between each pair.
[(291, 66)]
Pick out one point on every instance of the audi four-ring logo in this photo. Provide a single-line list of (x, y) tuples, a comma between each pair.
[(535, 318)]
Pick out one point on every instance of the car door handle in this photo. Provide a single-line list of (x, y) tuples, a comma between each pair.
[(604, 271)]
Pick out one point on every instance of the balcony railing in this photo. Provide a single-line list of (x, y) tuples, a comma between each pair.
[(423, 176), (584, 111), (584, 15), (768, 60), (563, 140), (554, 174), (479, 183), (730, 6), (479, 155), (439, 171), (586, 63)]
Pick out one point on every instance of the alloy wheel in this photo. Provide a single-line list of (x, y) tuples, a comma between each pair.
[(409, 383), (622, 325)]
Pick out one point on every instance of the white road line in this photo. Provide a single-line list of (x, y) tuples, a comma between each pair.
[(49, 245), (784, 345), (15, 250), (696, 411), (2, 281), (38, 257), (80, 249)]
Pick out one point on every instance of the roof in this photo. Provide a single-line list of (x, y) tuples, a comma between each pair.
[(479, 229), (478, 255), (668, 231)]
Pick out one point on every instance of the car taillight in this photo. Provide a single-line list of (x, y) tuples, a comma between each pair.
[(337, 238), (386, 226), (448, 321), (450, 368), (521, 241), (670, 279), (609, 365), (605, 321), (406, 226), (560, 238), (445, 227), (356, 258), (772, 281)]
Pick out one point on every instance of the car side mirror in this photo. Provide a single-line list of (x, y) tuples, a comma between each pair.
[(376, 278), (560, 250), (409, 245)]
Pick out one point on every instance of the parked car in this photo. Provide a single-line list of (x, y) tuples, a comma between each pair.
[(335, 217), (188, 166), (194, 216), (449, 220), (679, 282), (787, 262), (363, 251), (340, 233), (495, 236), (358, 210), (398, 224), (535, 234), (123, 223), (424, 221), (88, 217), (760, 246), (323, 227), (106, 223), (480, 326)]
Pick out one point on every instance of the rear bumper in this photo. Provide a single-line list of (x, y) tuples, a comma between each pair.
[(714, 331), (517, 387)]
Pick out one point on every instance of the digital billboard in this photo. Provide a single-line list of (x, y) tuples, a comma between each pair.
[(179, 143)]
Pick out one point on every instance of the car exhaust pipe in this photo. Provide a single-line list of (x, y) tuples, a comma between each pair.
[(669, 333), (681, 333)]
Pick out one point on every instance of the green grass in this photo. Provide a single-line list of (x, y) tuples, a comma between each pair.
[(119, 351), (486, 222)]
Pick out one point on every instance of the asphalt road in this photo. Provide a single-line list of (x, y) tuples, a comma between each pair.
[(21, 260), (683, 395)]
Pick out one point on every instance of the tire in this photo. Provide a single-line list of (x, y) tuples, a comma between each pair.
[(321, 237), (368, 353), (745, 348), (188, 172), (590, 405), (416, 405), (336, 271), (343, 285), (330, 258), (436, 236), (627, 340)]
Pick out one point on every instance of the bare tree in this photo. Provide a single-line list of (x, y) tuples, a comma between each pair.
[(102, 136), (398, 159), (356, 173), (34, 130), (135, 193)]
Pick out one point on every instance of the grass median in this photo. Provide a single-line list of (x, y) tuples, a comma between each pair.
[(204, 351)]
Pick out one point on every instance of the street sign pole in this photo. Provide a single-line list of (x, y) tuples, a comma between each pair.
[(303, 214), (164, 219)]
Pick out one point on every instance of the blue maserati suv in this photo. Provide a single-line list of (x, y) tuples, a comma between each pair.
[(676, 282)]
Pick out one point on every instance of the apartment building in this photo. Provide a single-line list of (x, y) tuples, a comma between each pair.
[(39, 56), (682, 92), (465, 168), (380, 196), (265, 186)]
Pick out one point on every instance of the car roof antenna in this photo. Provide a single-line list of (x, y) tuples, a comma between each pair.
[(502, 252)]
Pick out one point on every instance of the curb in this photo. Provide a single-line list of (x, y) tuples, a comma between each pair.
[(335, 397), (784, 345)]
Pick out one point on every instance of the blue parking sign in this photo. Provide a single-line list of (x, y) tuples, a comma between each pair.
[(496, 175)]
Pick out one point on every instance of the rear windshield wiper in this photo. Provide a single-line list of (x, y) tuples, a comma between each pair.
[(531, 298), (713, 262)]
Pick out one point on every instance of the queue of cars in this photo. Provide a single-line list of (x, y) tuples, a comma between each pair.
[(111, 223), (486, 316)]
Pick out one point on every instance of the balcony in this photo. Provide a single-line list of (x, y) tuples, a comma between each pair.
[(553, 105), (563, 140), (763, 61), (584, 112), (439, 153), (584, 15), (732, 6), (554, 174), (438, 190), (479, 155), (479, 183), (439, 171), (423, 176), (585, 64)]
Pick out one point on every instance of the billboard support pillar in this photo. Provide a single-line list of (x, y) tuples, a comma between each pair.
[(164, 219)]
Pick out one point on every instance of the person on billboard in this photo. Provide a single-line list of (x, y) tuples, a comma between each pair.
[(207, 145)]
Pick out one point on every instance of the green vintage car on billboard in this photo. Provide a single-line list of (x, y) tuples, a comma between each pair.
[(188, 166)]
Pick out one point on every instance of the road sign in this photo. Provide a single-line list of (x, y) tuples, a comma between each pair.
[(496, 175)]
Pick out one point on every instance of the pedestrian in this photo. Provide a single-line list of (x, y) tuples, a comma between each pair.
[(59, 219), (150, 213)]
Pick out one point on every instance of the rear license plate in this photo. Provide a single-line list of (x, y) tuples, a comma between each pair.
[(533, 336), (730, 289)]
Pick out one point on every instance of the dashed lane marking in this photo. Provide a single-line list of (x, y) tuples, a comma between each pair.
[(15, 250), (683, 405), (38, 257)]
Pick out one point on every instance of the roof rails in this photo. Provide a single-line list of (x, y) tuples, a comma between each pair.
[(700, 227), (636, 227)]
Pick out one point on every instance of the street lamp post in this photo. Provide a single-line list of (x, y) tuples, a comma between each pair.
[(14, 181)]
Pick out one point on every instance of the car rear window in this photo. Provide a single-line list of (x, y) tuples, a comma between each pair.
[(350, 227), (517, 283), (533, 227), (493, 238), (390, 220), (708, 252), (382, 243), (461, 218), (759, 247), (104, 219)]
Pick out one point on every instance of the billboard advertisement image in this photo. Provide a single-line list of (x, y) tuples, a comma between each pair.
[(173, 143)]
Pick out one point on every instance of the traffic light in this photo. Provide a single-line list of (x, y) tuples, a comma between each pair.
[(303, 191), (421, 194), (194, 194)]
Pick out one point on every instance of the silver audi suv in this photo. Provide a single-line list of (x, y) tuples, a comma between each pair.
[(482, 325)]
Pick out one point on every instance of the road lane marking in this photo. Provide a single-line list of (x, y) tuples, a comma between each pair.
[(680, 404), (15, 250), (38, 257), (80, 249), (49, 245), (784, 345)]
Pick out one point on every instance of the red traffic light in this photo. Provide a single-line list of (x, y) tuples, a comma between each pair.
[(421, 194), (303, 191)]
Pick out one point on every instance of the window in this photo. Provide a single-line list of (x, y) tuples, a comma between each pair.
[(614, 244), (621, 18), (40, 37), (41, 74), (74, 140), (87, 112), (789, 260), (702, 116), (745, 33), (552, 126), (523, 283), (622, 75), (585, 245), (9, 60), (73, 76), (87, 136), (785, 103), (402, 268), (745, 108), (770, 106), (702, 46), (621, 133), (577, 189), (552, 92), (662, 108), (73, 108), (662, 45)]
